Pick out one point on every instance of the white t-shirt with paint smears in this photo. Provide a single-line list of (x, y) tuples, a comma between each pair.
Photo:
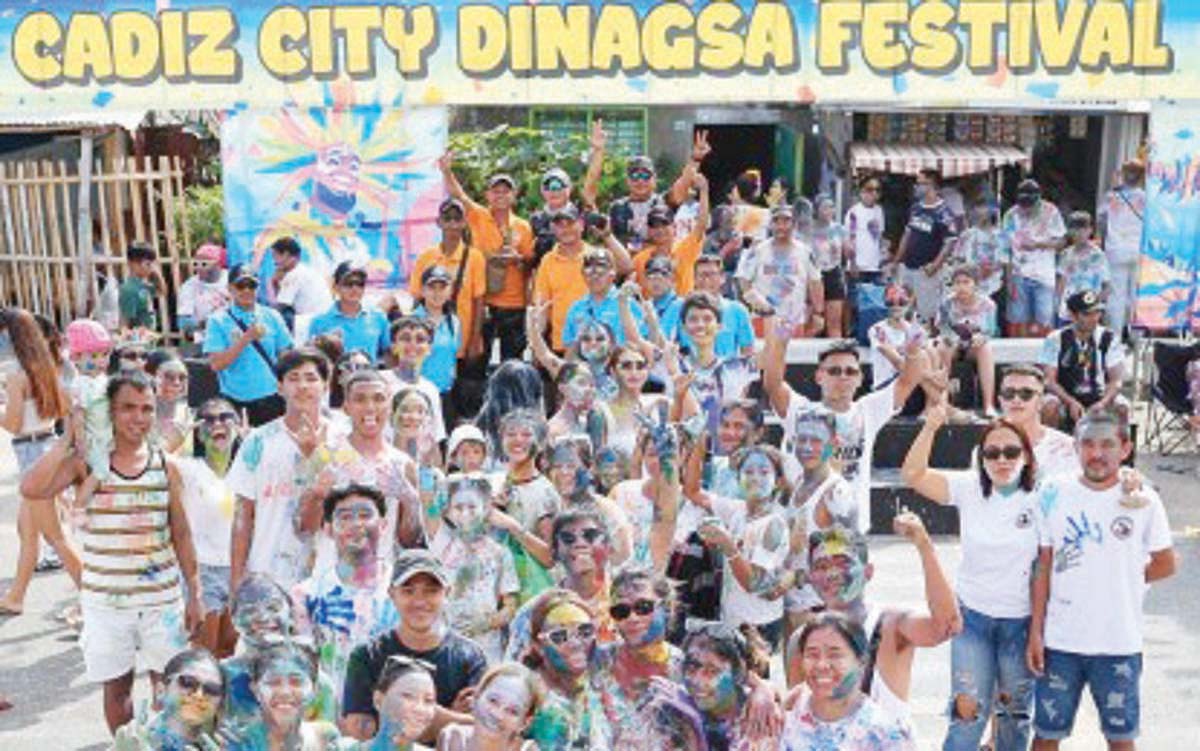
[(1097, 581), (854, 440), (999, 545)]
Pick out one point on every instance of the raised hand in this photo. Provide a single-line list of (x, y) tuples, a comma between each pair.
[(700, 146), (909, 526), (446, 161), (599, 138)]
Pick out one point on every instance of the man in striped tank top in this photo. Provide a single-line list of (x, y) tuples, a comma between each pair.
[(137, 548)]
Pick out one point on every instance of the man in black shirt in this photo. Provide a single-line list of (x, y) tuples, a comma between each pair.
[(419, 585)]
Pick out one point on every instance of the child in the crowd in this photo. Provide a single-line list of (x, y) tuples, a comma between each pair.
[(966, 322), (436, 305), (1082, 266), (89, 347), (892, 336), (983, 248), (482, 596), (466, 451), (412, 338)]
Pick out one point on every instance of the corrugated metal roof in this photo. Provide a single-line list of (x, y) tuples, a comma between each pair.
[(15, 121)]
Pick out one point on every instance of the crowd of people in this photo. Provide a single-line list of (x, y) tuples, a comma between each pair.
[(377, 535)]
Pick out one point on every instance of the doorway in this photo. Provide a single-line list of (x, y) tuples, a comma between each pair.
[(737, 148)]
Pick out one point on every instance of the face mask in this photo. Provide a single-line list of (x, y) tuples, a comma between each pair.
[(1028, 200)]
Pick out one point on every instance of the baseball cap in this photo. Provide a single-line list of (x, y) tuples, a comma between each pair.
[(782, 209), (413, 561), (502, 177), (348, 268), (436, 274), (660, 265), (242, 272), (555, 174), (209, 252), (1086, 301), (639, 163), (658, 216), (568, 211), (85, 337), (451, 204), (464, 433)]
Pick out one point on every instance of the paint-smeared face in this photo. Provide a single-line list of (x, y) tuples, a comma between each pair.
[(565, 470), (90, 363), (831, 669), (367, 406), (757, 477), (411, 344), (171, 381), (595, 344), (837, 574), (262, 617), (503, 705), (132, 413), (566, 639), (733, 431), (612, 466), (632, 370), (193, 695), (813, 443), (470, 455), (582, 547), (644, 614), (284, 691), (303, 387), (409, 706), (1003, 456), (579, 391), (1101, 450), (710, 679), (218, 427), (467, 511), (702, 325), (518, 440), (419, 601), (356, 525), (412, 414)]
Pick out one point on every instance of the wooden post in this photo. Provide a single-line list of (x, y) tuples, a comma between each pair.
[(85, 270)]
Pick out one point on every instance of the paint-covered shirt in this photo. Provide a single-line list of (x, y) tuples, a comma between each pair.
[(865, 225), (566, 723), (1124, 209), (136, 301), (270, 472), (780, 275), (868, 728), (1101, 540), (828, 246), (985, 252), (975, 316), (208, 502), (480, 574), (529, 502), (1043, 224), (1081, 270), (338, 617), (883, 333), (763, 542)]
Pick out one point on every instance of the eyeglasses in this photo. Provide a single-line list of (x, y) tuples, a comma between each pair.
[(560, 636), (211, 419), (1025, 393), (992, 453), (837, 371), (623, 610), (632, 365), (596, 266), (589, 535), (190, 684)]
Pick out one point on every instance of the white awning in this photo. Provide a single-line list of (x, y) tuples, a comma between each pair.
[(951, 159)]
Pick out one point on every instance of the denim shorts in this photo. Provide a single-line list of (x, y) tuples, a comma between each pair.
[(1030, 301), (214, 581), (1113, 680), (28, 452)]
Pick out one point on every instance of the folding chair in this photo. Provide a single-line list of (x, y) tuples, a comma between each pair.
[(1168, 428)]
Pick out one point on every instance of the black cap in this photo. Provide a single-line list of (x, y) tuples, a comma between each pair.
[(1029, 185), (502, 177), (347, 269), (660, 264), (451, 204), (436, 274), (413, 561), (568, 211), (658, 215), (1086, 301), (242, 272)]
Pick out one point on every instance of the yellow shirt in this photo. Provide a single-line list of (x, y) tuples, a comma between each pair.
[(488, 237), (474, 283), (560, 280), (684, 253)]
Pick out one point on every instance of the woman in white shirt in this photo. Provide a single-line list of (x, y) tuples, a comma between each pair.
[(996, 506)]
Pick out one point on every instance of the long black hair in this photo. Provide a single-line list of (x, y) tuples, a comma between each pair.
[(513, 385)]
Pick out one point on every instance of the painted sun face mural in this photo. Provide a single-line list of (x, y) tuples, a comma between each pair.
[(348, 181)]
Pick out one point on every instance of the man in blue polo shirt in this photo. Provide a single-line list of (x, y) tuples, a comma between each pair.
[(362, 329), (600, 304), (242, 342)]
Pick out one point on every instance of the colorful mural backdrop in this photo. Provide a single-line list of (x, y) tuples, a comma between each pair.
[(184, 54), (1169, 263), (349, 181)]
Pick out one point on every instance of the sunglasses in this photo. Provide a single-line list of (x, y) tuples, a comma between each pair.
[(992, 453), (596, 265), (246, 284), (641, 175), (418, 339), (560, 636), (897, 304), (355, 282), (133, 355), (189, 685), (623, 610), (553, 185), (837, 371), (1025, 394), (211, 419), (589, 535), (632, 365)]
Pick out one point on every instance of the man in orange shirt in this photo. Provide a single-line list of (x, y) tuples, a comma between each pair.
[(660, 236), (506, 242), (465, 265)]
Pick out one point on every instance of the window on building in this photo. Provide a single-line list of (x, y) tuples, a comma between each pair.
[(626, 126)]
